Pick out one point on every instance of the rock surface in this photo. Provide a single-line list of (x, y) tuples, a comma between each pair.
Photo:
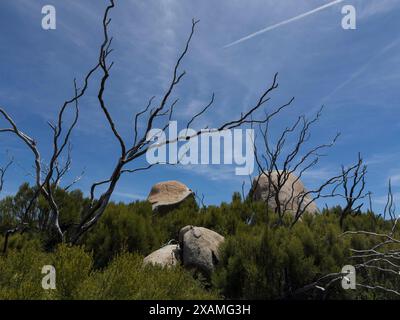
[(200, 248), (167, 256), (166, 195), (289, 196)]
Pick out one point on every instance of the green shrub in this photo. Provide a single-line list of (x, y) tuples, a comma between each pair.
[(73, 266), (270, 262), (20, 274), (127, 278), (260, 258), (123, 227), (124, 278)]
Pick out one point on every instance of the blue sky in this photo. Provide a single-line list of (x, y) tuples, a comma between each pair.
[(354, 73)]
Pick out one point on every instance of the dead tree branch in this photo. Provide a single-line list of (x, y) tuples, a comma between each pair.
[(3, 171), (380, 261), (353, 184), (289, 164), (49, 175)]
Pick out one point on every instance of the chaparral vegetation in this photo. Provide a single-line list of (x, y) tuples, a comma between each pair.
[(271, 242)]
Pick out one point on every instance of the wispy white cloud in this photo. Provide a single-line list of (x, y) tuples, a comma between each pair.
[(369, 8), (382, 200), (362, 69), (395, 179), (379, 158), (132, 196), (213, 172), (319, 174)]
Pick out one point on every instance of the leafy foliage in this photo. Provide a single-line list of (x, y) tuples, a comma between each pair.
[(127, 278), (260, 258), (124, 278)]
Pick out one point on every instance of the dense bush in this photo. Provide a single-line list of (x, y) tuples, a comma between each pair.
[(127, 278), (265, 262), (260, 259), (20, 274), (124, 278), (123, 227)]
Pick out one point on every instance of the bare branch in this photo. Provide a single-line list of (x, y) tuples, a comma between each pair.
[(3, 172)]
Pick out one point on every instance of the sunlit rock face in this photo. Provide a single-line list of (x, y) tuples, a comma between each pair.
[(167, 256), (290, 195), (200, 248), (165, 196)]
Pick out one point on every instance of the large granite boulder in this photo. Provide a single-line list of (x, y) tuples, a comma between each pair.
[(290, 195), (167, 256), (200, 248), (167, 195)]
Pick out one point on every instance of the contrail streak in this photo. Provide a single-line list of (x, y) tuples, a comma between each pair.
[(283, 23), (361, 70)]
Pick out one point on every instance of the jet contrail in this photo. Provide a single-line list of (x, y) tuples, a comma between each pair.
[(361, 70), (284, 22)]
